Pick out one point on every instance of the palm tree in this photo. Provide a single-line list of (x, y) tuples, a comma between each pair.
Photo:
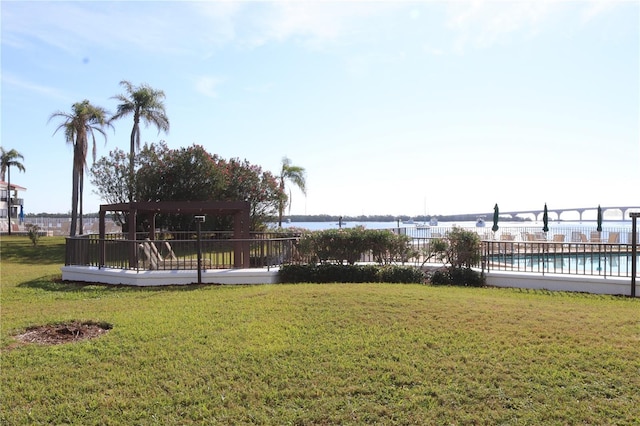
[(8, 159), (83, 120), (146, 104), (295, 175)]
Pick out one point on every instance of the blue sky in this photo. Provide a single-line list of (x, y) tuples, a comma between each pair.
[(392, 107)]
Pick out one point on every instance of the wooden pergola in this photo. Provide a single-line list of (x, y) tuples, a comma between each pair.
[(240, 210)]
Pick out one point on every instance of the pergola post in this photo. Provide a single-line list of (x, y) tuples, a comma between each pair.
[(152, 234), (101, 234), (241, 249), (133, 212)]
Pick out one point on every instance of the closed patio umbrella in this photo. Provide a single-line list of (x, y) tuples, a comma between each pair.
[(496, 215), (599, 227), (545, 219)]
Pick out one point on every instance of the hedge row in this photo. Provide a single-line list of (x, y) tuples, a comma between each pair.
[(349, 244), (338, 273), (458, 276)]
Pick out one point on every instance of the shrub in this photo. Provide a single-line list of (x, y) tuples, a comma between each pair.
[(33, 231), (457, 276), (464, 248), (436, 249), (349, 244), (441, 277), (338, 273), (400, 274)]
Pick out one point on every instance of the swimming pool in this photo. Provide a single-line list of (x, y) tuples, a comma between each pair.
[(575, 259)]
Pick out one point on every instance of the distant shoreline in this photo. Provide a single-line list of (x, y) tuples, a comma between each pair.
[(60, 217)]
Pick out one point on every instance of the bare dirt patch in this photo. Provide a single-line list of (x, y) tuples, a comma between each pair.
[(55, 334)]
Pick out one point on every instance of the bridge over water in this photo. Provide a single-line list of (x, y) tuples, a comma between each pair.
[(610, 213)]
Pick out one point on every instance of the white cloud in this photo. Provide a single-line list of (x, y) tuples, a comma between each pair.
[(12, 81), (207, 85), (596, 8), (483, 23)]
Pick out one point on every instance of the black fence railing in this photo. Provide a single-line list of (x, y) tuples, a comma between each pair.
[(218, 250), (221, 252), (596, 259)]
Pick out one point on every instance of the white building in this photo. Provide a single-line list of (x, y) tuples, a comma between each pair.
[(14, 217)]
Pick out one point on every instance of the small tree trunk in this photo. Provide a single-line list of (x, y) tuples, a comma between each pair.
[(80, 215), (9, 197), (74, 204)]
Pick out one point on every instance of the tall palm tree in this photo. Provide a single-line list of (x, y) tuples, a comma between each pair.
[(295, 175), (84, 120), (146, 104), (8, 159)]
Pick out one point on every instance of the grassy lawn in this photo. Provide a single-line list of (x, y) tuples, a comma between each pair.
[(312, 354)]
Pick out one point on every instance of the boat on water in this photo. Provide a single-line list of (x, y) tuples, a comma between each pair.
[(480, 222), (433, 221), (408, 221)]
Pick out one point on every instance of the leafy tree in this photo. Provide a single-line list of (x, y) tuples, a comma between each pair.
[(83, 120), (7, 160), (294, 175), (146, 104), (260, 188), (184, 174), (189, 174), (110, 176)]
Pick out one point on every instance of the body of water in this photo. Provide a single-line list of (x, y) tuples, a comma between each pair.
[(567, 228)]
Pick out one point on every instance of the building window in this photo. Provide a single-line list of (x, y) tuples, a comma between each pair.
[(3, 213)]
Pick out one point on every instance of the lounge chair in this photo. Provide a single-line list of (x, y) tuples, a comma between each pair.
[(595, 237), (558, 238), (150, 256), (614, 238), (507, 246), (540, 236)]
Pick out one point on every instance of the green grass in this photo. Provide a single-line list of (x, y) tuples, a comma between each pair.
[(313, 354)]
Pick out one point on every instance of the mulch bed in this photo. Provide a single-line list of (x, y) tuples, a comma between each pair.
[(55, 334)]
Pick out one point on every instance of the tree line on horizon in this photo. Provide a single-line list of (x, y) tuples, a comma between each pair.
[(144, 104)]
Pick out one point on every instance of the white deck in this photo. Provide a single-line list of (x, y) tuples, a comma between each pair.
[(159, 278), (553, 282), (562, 282)]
